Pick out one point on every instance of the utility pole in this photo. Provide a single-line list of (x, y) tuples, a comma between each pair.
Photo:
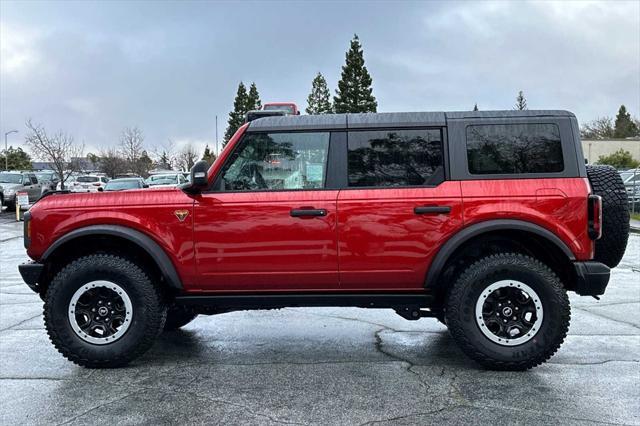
[(6, 150), (217, 152)]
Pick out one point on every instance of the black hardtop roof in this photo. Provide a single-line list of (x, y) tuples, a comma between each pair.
[(386, 119)]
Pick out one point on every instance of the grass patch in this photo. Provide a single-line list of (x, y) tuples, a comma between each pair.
[(635, 216)]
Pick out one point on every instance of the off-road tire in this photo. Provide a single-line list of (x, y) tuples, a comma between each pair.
[(148, 317), (461, 317), (178, 316), (607, 183)]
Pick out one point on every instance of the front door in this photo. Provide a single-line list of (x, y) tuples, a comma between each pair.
[(397, 209), (269, 224)]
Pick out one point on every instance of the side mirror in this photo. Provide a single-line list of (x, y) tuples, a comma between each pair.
[(199, 179), (144, 185), (100, 189)]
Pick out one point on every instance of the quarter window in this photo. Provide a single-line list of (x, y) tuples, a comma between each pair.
[(514, 149), (390, 158), (278, 161)]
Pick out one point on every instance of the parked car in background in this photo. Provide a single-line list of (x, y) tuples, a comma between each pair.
[(631, 179), (68, 182), (88, 183), (126, 175), (124, 184), (166, 180), (14, 182), (48, 179)]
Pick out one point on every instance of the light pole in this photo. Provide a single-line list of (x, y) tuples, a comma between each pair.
[(6, 150)]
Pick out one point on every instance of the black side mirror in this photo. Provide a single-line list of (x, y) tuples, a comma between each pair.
[(199, 181), (100, 189), (144, 185)]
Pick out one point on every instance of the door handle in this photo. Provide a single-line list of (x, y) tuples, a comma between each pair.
[(432, 210), (307, 212)]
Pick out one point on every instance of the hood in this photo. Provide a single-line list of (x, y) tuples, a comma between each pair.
[(13, 186), (113, 199)]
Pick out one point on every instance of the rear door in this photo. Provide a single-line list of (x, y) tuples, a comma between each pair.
[(396, 208), (270, 222)]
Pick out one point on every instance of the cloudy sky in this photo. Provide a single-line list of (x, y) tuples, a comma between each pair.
[(92, 68)]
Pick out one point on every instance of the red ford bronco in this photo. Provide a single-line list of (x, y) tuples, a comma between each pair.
[(483, 220)]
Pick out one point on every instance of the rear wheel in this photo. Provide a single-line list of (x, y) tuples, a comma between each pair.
[(508, 312), (607, 183), (103, 311)]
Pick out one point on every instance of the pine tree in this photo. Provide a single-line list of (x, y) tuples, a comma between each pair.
[(521, 102), (475, 107), (354, 93), (624, 127), (236, 117), (319, 100), (253, 99), (208, 156)]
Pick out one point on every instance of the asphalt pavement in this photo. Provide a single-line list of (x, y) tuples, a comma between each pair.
[(321, 366)]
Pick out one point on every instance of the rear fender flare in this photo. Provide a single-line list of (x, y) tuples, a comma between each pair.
[(477, 229)]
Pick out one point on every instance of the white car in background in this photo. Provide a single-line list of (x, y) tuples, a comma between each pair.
[(165, 180), (87, 183)]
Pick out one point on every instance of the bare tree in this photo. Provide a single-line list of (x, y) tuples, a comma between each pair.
[(187, 157), (165, 155), (131, 146), (111, 163), (600, 128), (59, 149)]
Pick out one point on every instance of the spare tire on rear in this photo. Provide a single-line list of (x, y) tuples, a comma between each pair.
[(607, 183)]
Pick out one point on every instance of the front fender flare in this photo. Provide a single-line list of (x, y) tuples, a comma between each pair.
[(143, 241), (464, 235)]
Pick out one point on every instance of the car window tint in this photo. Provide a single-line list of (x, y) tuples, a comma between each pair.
[(387, 158), (278, 161), (514, 149)]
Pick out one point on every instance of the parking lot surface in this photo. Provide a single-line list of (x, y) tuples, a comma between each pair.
[(320, 366)]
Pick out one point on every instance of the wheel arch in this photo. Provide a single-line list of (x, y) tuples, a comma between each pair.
[(489, 228), (132, 241)]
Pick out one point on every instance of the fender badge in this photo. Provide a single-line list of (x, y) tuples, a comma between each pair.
[(181, 214)]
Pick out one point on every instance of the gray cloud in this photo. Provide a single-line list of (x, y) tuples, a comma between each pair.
[(170, 67)]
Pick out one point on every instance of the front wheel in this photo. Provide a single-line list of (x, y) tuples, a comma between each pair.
[(508, 312), (103, 311)]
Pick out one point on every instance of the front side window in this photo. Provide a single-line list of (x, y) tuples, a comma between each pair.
[(514, 149), (388, 158), (278, 161)]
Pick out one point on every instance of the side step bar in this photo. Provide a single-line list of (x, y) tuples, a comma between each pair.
[(407, 305)]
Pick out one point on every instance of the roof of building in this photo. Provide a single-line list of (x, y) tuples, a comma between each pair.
[(386, 119)]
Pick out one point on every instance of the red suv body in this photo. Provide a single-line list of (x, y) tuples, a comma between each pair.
[(370, 210)]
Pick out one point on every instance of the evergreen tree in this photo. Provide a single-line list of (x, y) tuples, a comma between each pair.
[(208, 156), (624, 127), (164, 162), (354, 93), (253, 99), (319, 100), (236, 117), (16, 158), (521, 102), (475, 107)]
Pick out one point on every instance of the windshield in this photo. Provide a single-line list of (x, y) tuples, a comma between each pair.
[(10, 178), (287, 108), (87, 179), (163, 180), (117, 185)]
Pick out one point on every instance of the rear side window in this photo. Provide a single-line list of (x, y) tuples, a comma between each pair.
[(514, 149), (278, 161), (388, 158)]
